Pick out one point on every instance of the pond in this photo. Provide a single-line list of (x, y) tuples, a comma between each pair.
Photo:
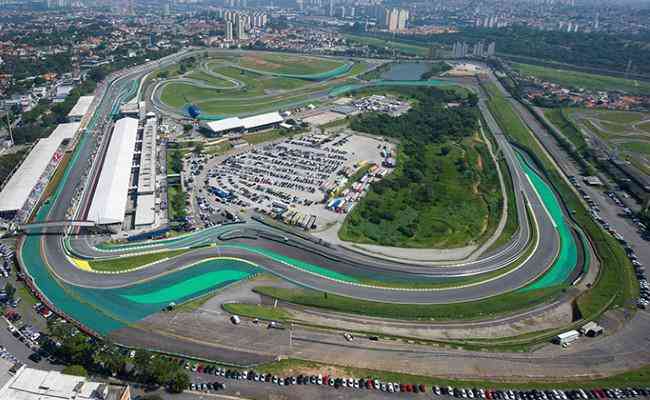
[(407, 71)]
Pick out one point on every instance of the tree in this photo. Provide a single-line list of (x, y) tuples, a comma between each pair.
[(10, 290), (76, 370), (179, 381), (198, 148)]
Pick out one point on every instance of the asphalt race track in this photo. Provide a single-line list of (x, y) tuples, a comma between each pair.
[(331, 269)]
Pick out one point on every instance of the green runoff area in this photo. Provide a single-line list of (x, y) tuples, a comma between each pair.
[(583, 80), (497, 305), (616, 284), (121, 264)]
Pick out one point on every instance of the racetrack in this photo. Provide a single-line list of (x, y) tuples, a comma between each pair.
[(98, 300)]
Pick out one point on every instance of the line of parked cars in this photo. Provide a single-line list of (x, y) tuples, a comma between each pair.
[(644, 287), (398, 387)]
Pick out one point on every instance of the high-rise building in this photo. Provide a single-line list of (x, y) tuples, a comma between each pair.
[(229, 31), (491, 50), (402, 19), (395, 19), (331, 10), (240, 30)]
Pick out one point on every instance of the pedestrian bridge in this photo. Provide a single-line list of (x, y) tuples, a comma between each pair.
[(59, 226)]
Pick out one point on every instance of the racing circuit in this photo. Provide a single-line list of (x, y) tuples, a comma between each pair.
[(545, 251)]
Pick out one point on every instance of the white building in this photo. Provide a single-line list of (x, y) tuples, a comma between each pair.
[(33, 384), (16, 192), (80, 109), (111, 193), (248, 124)]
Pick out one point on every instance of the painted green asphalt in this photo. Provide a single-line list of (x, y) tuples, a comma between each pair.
[(567, 258), (189, 287)]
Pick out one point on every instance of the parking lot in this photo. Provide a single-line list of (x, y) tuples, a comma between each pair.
[(308, 180)]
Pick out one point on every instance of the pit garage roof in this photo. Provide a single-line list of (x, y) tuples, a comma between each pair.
[(225, 125), (17, 190), (262, 120), (109, 202), (81, 108), (147, 174), (145, 210)]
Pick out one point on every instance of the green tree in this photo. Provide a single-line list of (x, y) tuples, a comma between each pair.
[(198, 148), (76, 370), (10, 290), (179, 381)]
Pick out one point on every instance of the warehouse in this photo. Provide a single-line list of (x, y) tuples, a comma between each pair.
[(248, 124), (80, 109), (111, 193), (18, 189)]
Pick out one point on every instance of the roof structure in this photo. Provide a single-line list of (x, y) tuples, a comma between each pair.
[(147, 174), (109, 202), (225, 125), (145, 210), (262, 120), (255, 121), (81, 108), (17, 190), (34, 384)]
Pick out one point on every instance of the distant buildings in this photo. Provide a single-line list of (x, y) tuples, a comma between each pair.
[(479, 50), (395, 19)]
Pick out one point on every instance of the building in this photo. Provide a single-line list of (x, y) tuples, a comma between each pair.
[(240, 28), (111, 193), (80, 109), (146, 200), (402, 19), (395, 19), (34, 168), (229, 33), (248, 124), (34, 384)]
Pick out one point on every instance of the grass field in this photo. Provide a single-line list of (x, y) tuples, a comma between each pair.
[(258, 92), (257, 311), (505, 303), (559, 118), (465, 202), (127, 263), (616, 284), (583, 80), (406, 48), (288, 64), (638, 147), (621, 117), (212, 80)]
